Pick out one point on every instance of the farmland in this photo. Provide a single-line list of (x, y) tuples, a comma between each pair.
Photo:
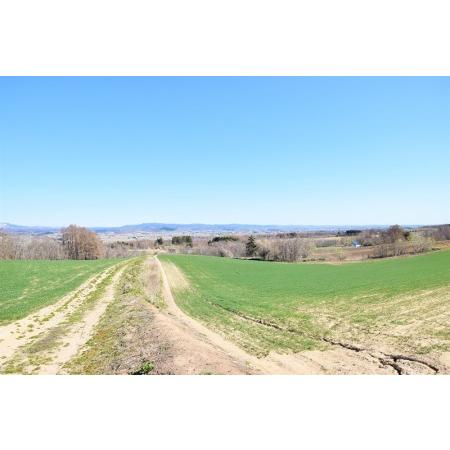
[(27, 286), (401, 303), (179, 313), (116, 323)]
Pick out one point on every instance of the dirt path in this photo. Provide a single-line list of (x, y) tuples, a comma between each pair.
[(21, 332), (187, 352), (45, 340), (201, 335), (80, 332), (138, 330)]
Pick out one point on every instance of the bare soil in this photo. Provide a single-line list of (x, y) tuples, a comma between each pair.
[(190, 348)]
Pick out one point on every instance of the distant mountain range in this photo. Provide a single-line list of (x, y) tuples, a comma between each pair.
[(194, 228), (22, 229)]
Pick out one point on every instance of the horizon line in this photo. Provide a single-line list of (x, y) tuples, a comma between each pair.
[(227, 224)]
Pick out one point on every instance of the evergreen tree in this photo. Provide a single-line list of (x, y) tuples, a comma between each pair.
[(251, 247)]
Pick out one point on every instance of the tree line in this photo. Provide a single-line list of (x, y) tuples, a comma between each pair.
[(180, 240), (75, 243)]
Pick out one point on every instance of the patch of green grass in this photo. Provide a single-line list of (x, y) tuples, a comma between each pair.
[(145, 368), (27, 286), (266, 306)]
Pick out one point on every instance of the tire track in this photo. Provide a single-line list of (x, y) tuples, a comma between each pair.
[(81, 332), (47, 344), (262, 366), (21, 332)]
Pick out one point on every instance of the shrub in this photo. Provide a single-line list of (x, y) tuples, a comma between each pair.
[(421, 244), (224, 252), (145, 368), (264, 251)]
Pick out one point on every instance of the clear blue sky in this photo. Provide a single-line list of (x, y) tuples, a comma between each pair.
[(112, 151)]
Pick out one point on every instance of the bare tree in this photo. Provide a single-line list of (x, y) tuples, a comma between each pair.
[(44, 248), (394, 234), (80, 243), (7, 250), (287, 250), (29, 247), (441, 233)]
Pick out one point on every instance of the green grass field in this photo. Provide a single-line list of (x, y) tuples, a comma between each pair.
[(266, 306), (27, 286)]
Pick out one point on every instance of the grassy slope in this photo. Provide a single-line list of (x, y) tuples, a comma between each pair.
[(27, 286), (313, 300)]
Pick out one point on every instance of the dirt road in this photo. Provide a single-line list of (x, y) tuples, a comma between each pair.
[(45, 340), (190, 348), (213, 339), (80, 332), (139, 330)]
